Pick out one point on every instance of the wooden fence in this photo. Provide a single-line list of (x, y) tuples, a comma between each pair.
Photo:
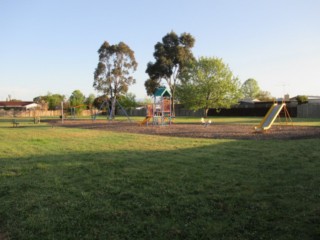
[(309, 110), (41, 113)]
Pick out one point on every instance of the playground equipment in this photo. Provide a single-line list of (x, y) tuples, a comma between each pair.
[(108, 105), (145, 120), (271, 116), (159, 113), (36, 116), (205, 123), (73, 110)]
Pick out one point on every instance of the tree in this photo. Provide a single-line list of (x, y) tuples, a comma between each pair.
[(128, 101), (112, 75), (98, 101), (42, 101), (302, 99), (89, 100), (172, 57), (54, 101), (265, 96), (209, 84), (250, 88), (76, 100)]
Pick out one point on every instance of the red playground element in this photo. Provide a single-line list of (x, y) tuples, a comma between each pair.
[(160, 111)]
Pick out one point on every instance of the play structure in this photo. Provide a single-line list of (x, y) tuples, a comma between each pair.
[(205, 123), (159, 112), (271, 116), (75, 109), (107, 104)]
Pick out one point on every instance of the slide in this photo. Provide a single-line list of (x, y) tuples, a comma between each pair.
[(144, 121), (269, 118)]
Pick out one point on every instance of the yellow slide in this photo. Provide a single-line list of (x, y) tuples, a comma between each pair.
[(145, 120), (270, 117)]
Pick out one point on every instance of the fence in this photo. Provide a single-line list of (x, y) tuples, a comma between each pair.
[(309, 110), (237, 111), (40, 113)]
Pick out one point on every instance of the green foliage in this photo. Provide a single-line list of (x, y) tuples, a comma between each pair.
[(151, 86), (209, 83), (128, 101), (90, 100), (112, 76), (77, 98), (302, 99), (264, 96), (54, 185), (250, 88), (54, 101), (172, 57), (76, 101), (99, 101)]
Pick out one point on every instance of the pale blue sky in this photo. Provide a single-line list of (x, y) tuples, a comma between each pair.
[(51, 45)]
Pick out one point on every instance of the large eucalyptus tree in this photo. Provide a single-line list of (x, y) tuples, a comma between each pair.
[(113, 76), (172, 57)]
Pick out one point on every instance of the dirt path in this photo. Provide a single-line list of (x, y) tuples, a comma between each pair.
[(213, 131)]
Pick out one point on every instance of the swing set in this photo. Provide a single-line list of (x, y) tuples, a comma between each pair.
[(107, 104)]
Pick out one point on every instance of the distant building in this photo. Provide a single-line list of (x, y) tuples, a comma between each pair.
[(311, 99), (18, 105)]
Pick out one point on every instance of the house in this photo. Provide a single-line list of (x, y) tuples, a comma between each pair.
[(311, 99), (18, 105), (247, 103)]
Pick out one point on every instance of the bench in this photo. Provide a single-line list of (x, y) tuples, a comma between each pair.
[(15, 123)]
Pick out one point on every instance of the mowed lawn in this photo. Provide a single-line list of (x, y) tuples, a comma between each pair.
[(59, 183)]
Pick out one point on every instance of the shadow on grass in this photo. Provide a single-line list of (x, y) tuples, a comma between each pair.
[(224, 191)]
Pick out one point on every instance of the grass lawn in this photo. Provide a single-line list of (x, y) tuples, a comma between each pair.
[(58, 183)]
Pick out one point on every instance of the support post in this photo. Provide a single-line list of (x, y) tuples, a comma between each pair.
[(62, 112)]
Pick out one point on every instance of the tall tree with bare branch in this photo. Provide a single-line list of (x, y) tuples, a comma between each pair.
[(113, 75), (172, 56)]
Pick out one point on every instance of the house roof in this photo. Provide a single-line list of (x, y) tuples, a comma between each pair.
[(249, 100), (16, 104), (309, 97), (162, 92)]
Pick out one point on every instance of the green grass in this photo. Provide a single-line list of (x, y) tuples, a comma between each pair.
[(58, 183)]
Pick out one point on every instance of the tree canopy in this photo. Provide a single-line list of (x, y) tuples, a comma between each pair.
[(77, 98), (113, 76), (302, 99), (250, 88), (265, 96), (89, 100), (128, 101), (172, 57), (209, 84), (53, 100)]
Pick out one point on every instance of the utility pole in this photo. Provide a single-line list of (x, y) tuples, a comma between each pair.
[(62, 112)]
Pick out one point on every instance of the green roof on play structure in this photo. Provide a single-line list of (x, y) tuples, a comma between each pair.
[(162, 92)]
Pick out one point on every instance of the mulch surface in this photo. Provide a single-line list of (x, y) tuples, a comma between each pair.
[(213, 131)]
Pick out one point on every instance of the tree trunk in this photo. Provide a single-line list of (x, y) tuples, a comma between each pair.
[(206, 112), (113, 107), (173, 111)]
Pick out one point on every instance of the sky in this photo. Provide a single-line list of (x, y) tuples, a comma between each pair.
[(50, 46)]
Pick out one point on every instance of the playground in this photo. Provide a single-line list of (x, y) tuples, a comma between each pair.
[(159, 120), (198, 130)]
